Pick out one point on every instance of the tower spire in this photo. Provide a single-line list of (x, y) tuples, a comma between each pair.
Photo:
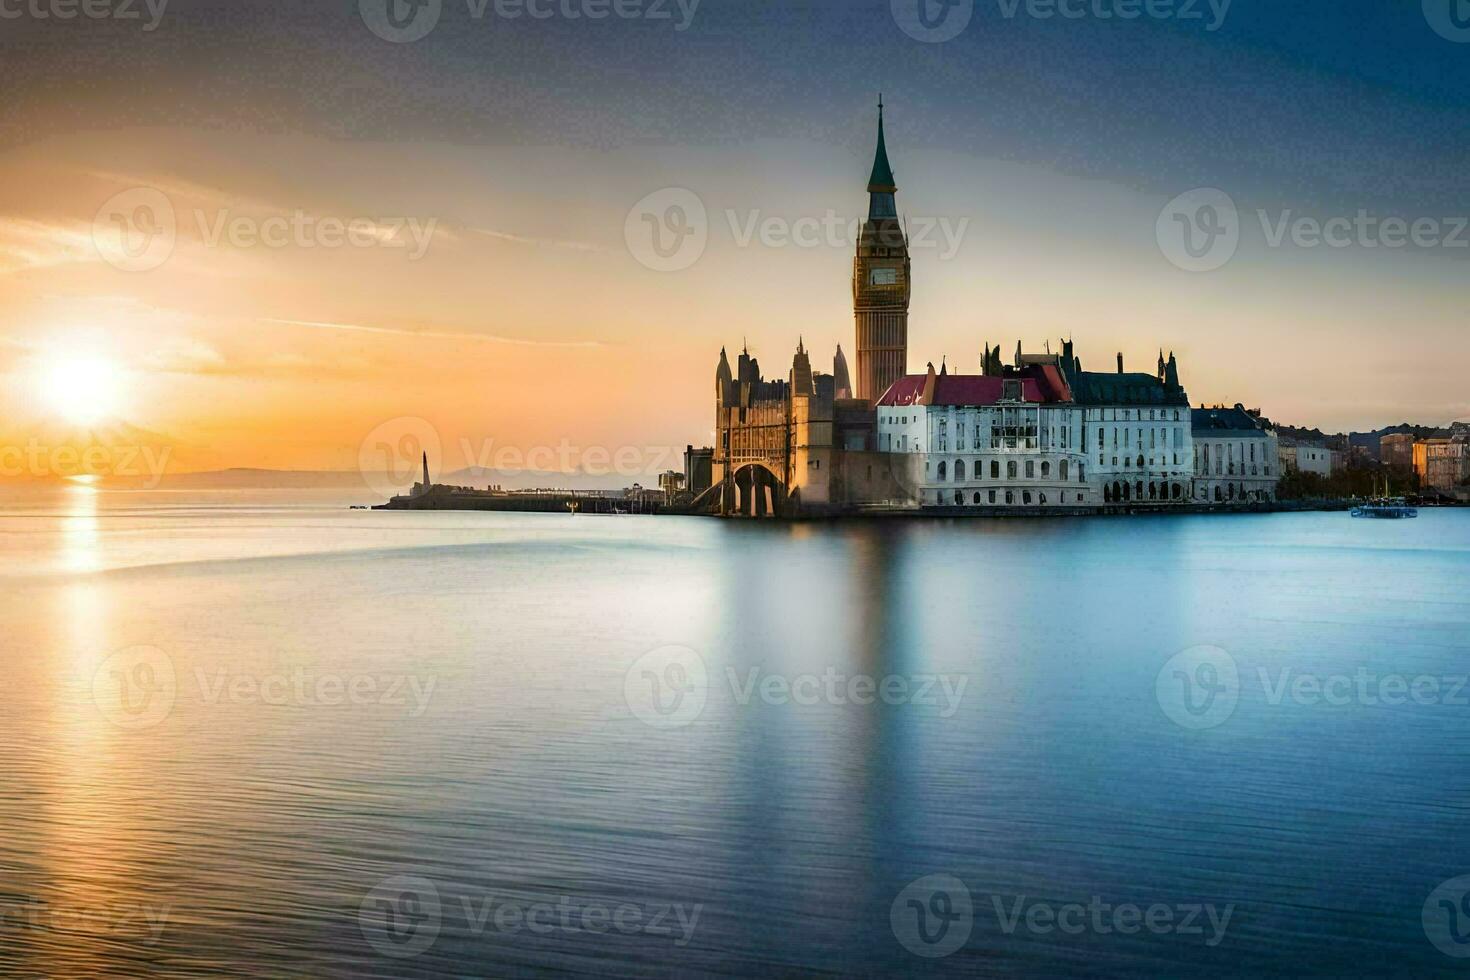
[(881, 180)]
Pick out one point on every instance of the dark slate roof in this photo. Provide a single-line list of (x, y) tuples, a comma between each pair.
[(1098, 388), (1221, 421), (881, 181)]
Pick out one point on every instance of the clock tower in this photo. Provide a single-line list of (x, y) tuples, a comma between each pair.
[(880, 283)]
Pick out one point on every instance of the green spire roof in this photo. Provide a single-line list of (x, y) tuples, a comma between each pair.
[(881, 182)]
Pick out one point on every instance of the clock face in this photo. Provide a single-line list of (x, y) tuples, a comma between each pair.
[(883, 277)]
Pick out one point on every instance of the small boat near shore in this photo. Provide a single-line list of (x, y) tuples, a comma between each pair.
[(1390, 509)]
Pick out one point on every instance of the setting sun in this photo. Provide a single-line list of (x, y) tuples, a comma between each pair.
[(80, 390)]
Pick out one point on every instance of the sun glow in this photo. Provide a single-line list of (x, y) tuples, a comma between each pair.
[(80, 390)]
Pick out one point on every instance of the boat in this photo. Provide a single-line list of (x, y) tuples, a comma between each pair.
[(1385, 507), (1388, 508)]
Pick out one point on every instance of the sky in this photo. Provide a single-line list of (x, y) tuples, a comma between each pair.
[(286, 235)]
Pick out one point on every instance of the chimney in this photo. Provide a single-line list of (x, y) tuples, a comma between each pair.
[(1120, 362)]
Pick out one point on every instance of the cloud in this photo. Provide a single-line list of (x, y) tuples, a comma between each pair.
[(38, 245), (506, 236), (435, 334)]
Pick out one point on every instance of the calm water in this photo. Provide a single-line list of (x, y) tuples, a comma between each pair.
[(269, 736)]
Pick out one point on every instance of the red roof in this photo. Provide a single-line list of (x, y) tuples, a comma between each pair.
[(1039, 384)]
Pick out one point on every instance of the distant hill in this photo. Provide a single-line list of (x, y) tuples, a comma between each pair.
[(1342, 440)]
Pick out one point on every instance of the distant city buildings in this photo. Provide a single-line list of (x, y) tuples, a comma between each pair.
[(1397, 449), (1038, 433), (1443, 463), (1308, 458)]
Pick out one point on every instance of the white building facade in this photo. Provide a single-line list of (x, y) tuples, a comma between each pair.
[(1237, 459), (988, 441)]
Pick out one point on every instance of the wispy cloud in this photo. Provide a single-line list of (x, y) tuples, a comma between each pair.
[(39, 244), (434, 334), (506, 236)]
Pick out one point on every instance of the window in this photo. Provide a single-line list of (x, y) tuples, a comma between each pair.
[(1010, 497), (1026, 497), (959, 470), (1045, 470), (977, 496), (1030, 469), (992, 496), (1081, 472), (1010, 469), (959, 497), (943, 469), (1043, 500), (994, 471), (1062, 469)]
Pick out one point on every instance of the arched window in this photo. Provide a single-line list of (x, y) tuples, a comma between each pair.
[(1153, 490), (1141, 463), (977, 496), (1062, 470), (1107, 494), (959, 497), (959, 470), (943, 470), (1045, 469), (1026, 497), (1219, 494), (1139, 490)]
